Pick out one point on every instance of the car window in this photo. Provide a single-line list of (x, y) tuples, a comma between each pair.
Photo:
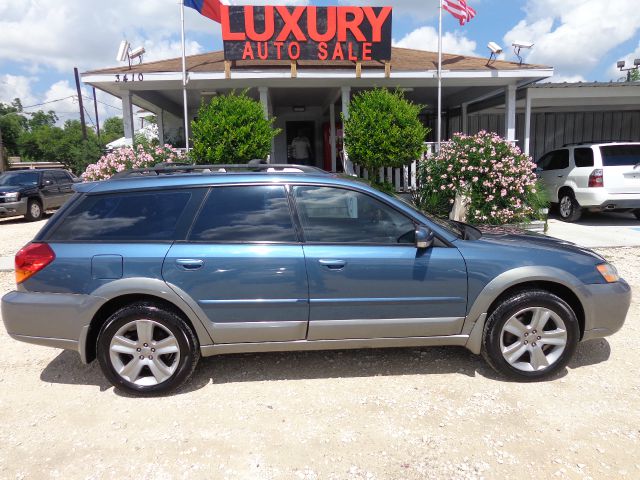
[(62, 177), (142, 216), (15, 179), (557, 160), (543, 163), (245, 214), (583, 157), (336, 215), (620, 155), (48, 177)]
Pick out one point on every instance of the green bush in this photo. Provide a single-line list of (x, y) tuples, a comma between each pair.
[(497, 177), (383, 130), (231, 129)]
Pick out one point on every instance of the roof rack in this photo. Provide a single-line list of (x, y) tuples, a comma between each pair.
[(597, 141), (176, 168)]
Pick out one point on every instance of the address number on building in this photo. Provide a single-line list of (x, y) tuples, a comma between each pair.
[(133, 77)]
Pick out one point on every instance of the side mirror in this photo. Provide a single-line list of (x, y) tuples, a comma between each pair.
[(46, 183), (424, 237)]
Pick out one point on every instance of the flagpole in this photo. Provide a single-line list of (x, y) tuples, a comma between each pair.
[(184, 81), (439, 128)]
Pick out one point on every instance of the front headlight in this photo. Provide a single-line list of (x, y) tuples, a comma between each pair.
[(608, 272), (11, 197)]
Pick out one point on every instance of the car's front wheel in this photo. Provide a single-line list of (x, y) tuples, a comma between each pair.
[(530, 335), (569, 208), (145, 349)]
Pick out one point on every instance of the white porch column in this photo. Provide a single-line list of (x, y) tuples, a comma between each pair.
[(127, 115), (527, 123), (465, 118), (510, 113), (266, 106), (160, 123), (264, 99), (346, 99), (332, 134)]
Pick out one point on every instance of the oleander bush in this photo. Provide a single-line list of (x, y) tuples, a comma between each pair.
[(143, 155), (497, 178)]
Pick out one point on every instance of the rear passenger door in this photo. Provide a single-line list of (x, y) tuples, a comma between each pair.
[(50, 191), (65, 186), (243, 264)]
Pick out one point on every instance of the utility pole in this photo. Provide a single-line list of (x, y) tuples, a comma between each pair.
[(2, 164), (82, 121), (95, 103)]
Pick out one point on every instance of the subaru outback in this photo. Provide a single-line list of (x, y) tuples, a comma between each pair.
[(150, 271)]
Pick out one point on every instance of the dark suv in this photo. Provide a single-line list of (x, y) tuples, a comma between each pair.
[(31, 192), (149, 272)]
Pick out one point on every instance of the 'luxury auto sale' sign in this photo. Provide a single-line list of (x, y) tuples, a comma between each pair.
[(306, 33)]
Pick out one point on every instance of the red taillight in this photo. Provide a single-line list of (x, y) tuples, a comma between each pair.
[(595, 179), (31, 259)]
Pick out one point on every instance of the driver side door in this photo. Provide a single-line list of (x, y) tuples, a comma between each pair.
[(367, 279)]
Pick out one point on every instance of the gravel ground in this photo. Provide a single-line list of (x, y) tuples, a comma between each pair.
[(16, 232), (369, 414)]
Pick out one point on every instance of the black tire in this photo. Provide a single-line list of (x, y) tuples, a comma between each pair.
[(34, 210), (636, 212), (518, 304), (164, 322), (568, 207)]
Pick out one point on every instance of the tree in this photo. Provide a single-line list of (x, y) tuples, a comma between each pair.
[(383, 130), (112, 129), (231, 129), (12, 124), (634, 75), (65, 145)]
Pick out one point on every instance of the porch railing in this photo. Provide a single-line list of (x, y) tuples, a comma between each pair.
[(404, 179)]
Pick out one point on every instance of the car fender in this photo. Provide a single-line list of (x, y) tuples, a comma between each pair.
[(474, 324), (155, 288), (569, 183)]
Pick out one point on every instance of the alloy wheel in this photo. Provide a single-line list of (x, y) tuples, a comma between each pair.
[(566, 206), (533, 339), (144, 352)]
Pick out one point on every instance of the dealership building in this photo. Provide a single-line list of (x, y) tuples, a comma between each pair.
[(308, 89)]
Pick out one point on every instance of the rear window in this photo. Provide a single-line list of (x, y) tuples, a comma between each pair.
[(620, 155), (583, 157), (143, 216), (245, 214)]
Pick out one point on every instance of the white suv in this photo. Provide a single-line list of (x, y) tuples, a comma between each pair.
[(592, 176)]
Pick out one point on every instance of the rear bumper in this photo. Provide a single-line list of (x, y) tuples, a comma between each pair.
[(606, 307), (601, 199), (53, 320), (13, 209)]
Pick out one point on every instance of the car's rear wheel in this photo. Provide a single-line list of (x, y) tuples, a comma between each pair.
[(34, 210), (569, 208), (144, 349), (530, 335)]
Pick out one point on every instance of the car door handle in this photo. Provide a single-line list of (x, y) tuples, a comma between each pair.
[(333, 264), (560, 176), (189, 263)]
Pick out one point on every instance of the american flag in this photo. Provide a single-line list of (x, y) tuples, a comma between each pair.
[(459, 9)]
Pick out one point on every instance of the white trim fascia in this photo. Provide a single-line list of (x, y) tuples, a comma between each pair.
[(325, 74)]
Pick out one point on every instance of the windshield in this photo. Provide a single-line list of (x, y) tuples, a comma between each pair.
[(450, 226), (620, 155), (18, 179)]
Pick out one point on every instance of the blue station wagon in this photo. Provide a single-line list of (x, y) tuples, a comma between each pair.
[(150, 271)]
